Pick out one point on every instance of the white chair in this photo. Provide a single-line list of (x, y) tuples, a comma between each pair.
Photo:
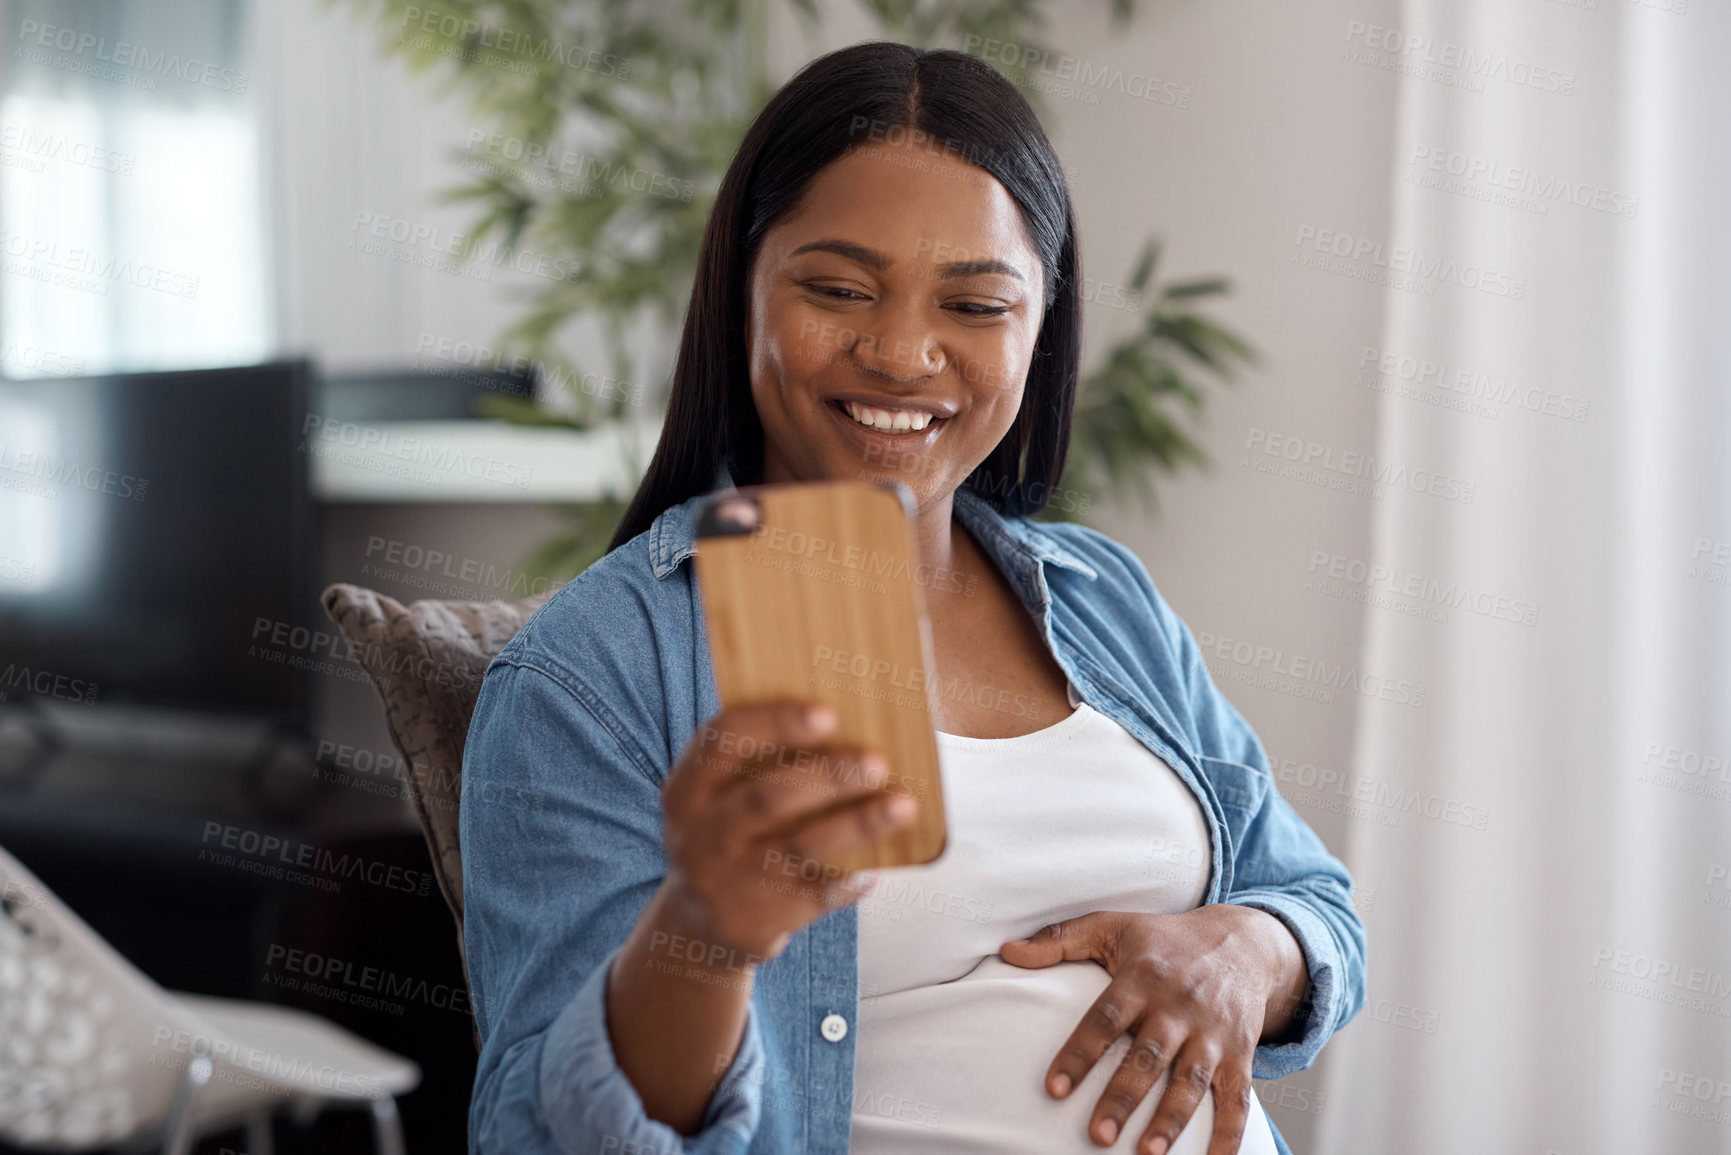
[(94, 1054)]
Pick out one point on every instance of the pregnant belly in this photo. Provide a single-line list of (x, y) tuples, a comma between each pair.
[(961, 1066)]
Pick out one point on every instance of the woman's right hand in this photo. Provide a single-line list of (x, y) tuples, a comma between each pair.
[(758, 809)]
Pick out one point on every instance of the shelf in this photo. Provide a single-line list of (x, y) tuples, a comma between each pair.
[(474, 461)]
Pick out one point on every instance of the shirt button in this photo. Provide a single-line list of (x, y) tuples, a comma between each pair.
[(833, 1028)]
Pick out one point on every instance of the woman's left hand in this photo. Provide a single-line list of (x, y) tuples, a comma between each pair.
[(1197, 991)]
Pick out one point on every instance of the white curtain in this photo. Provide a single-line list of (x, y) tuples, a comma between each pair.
[(131, 211), (1560, 981)]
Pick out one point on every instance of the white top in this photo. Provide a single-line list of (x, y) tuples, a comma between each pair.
[(953, 1042)]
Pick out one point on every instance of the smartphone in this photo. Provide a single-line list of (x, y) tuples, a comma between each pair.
[(810, 591)]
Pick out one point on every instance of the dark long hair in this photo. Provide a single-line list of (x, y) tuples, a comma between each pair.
[(883, 91)]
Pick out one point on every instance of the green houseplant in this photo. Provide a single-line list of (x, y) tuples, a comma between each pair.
[(611, 124)]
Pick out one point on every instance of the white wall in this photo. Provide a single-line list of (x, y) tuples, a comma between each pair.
[(350, 133)]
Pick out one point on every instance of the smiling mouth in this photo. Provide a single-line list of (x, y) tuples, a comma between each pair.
[(886, 420)]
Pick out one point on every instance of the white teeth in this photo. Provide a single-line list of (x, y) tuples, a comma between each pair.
[(894, 420)]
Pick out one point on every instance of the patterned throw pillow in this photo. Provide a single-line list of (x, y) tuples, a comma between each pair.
[(427, 660)]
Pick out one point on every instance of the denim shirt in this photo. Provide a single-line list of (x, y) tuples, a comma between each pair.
[(586, 710)]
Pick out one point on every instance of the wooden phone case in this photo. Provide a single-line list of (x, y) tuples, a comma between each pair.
[(810, 591)]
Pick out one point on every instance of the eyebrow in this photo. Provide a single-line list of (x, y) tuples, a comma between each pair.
[(872, 258)]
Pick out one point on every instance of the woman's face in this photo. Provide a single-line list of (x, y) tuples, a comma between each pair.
[(904, 292)]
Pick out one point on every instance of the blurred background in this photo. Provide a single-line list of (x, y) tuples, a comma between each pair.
[(1406, 373)]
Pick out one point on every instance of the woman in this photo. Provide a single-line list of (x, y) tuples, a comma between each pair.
[(1128, 921)]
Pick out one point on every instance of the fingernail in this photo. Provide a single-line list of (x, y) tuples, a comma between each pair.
[(1157, 1146), (819, 718), (901, 808), (1060, 1086), (1108, 1130), (876, 770)]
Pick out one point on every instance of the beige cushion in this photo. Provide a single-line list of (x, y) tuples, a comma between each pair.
[(427, 660)]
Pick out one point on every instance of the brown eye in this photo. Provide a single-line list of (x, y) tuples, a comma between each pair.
[(836, 292)]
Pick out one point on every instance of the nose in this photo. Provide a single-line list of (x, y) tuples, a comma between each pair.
[(901, 345)]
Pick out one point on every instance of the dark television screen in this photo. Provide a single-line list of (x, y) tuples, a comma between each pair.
[(148, 523)]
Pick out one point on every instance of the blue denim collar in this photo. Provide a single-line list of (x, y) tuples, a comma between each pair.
[(1019, 546)]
